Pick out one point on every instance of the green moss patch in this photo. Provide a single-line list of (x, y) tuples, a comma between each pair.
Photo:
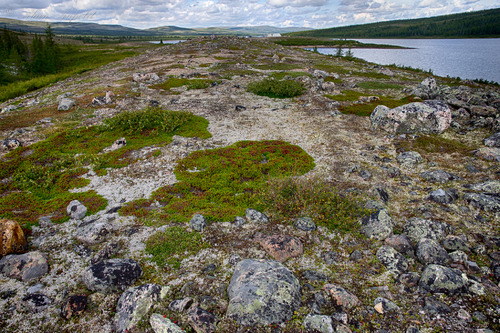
[(438, 144), (174, 82), (35, 180), (222, 183), (173, 245), (276, 89)]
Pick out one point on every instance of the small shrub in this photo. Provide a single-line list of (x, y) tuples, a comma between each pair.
[(292, 197), (276, 89), (169, 247)]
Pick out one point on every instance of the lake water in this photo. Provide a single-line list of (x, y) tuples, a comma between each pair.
[(167, 41), (464, 58)]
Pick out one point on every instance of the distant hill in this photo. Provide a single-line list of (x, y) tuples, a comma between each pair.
[(485, 23), (93, 29)]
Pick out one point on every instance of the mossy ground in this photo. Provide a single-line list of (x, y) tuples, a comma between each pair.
[(36, 179), (276, 88)]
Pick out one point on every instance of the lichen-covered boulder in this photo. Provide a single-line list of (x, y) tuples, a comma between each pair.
[(409, 159), (392, 259), (35, 302), (447, 196), (262, 292), (134, 304), (111, 275), (484, 201), (73, 305), (417, 228), (201, 320), (255, 216), (428, 117), (378, 225), (76, 210), (439, 176), (493, 141), (318, 323), (65, 104), (431, 252), (427, 89), (198, 222), (281, 247), (304, 224), (12, 239), (93, 232), (488, 153), (160, 324), (341, 296), (441, 279), (24, 267)]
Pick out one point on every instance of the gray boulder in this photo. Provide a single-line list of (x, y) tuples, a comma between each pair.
[(439, 176), (417, 228), (447, 196), (428, 117), (400, 243), (392, 259), (76, 210), (454, 243), (133, 306), (409, 159), (304, 224), (24, 267), (318, 323), (35, 302), (111, 275), (493, 141), (145, 77), (441, 279), (431, 252), (198, 222), (201, 320), (255, 216), (11, 143), (160, 324), (427, 89), (93, 232), (488, 153), (65, 104), (490, 186), (378, 225), (262, 292), (383, 305), (483, 201)]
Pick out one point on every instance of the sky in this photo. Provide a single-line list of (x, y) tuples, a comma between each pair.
[(144, 14)]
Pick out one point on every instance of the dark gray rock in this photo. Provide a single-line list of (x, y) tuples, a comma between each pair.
[(378, 225), (36, 302), (304, 224), (76, 210), (105, 253), (486, 202), (383, 305), (417, 228), (400, 243), (331, 257), (180, 305), (11, 143), (431, 252), (439, 176), (24, 267), (441, 279), (493, 141), (314, 276), (447, 196), (434, 306), (111, 275), (262, 292), (160, 324), (198, 222), (409, 159), (356, 255), (429, 117), (453, 243), (318, 323), (392, 259), (133, 305), (427, 89), (201, 320), (94, 232), (73, 305), (254, 216), (409, 279), (489, 187)]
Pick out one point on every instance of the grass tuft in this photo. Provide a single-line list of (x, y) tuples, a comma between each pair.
[(276, 89)]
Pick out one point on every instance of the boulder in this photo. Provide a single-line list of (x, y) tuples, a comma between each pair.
[(111, 275), (341, 296), (378, 225), (428, 117), (134, 305), (160, 324), (493, 141), (318, 323), (280, 247), (447, 196), (12, 239), (392, 259), (417, 228), (483, 111), (383, 305), (94, 232), (201, 320), (147, 77), (483, 201), (454, 243), (121, 142), (11, 144), (431, 252), (409, 159), (24, 267), (439, 176), (262, 292), (73, 305), (488, 153), (400, 243), (304, 224), (441, 279), (76, 210), (427, 89), (490, 186), (434, 306), (65, 104), (35, 302), (254, 216), (198, 222)]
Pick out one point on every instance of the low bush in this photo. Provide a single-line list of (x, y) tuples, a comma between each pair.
[(276, 89)]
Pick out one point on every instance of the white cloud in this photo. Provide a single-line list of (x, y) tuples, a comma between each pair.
[(297, 3)]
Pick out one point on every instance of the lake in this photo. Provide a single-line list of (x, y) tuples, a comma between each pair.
[(464, 58)]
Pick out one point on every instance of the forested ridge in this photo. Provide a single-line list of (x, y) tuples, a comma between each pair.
[(485, 23)]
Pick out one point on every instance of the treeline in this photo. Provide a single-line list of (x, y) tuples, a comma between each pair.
[(20, 60), (465, 25)]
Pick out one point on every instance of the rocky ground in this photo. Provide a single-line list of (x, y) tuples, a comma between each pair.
[(426, 260)]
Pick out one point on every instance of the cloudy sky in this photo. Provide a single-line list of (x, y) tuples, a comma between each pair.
[(207, 13)]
